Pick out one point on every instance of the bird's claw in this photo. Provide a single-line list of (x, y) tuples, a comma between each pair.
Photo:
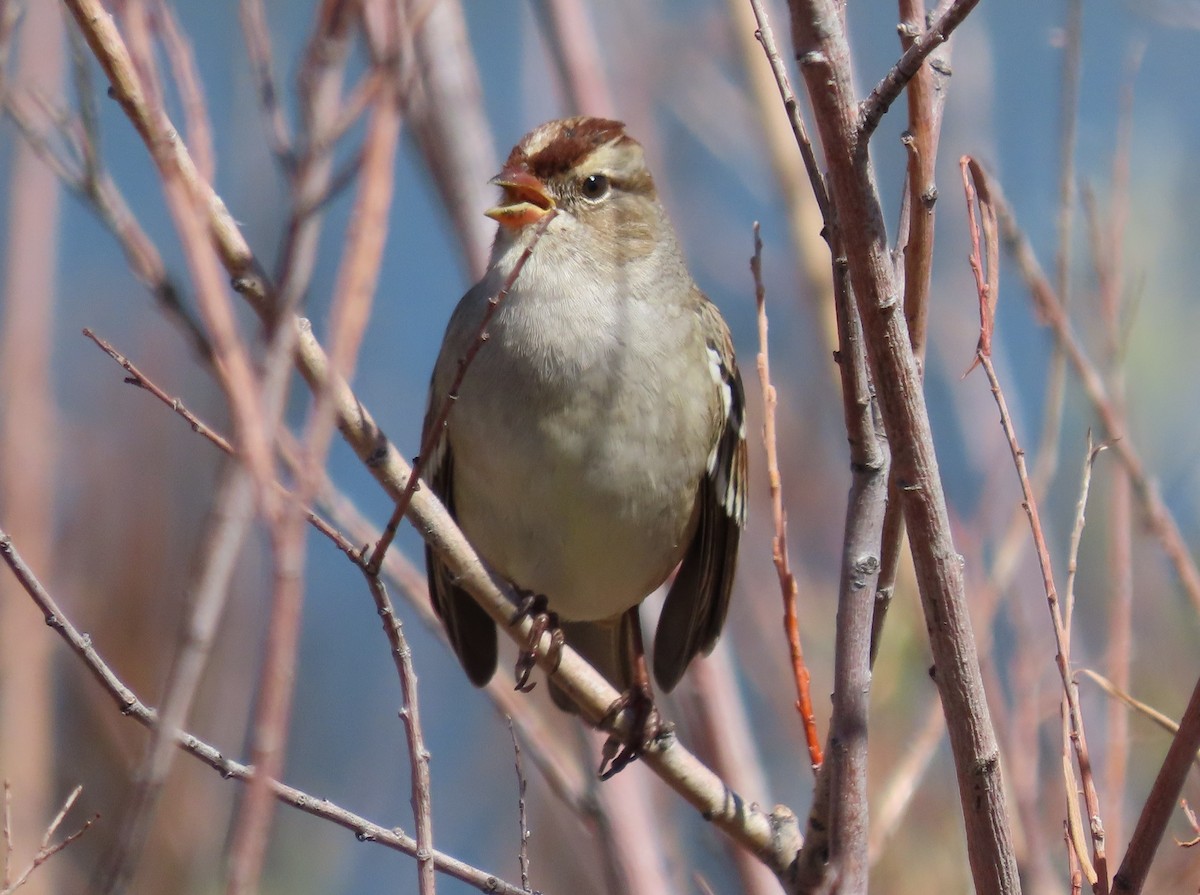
[(535, 607), (645, 727)]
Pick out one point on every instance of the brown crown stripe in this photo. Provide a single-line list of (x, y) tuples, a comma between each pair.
[(579, 138)]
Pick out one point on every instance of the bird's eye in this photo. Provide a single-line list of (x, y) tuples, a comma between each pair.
[(595, 187)]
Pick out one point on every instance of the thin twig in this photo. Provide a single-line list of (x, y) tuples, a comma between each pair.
[(395, 566), (975, 184), (257, 35), (1161, 801), (450, 126), (1194, 821), (926, 103), (139, 379), (774, 836), (766, 36), (501, 693), (410, 714), (6, 831), (823, 51), (1086, 866), (523, 852), (1159, 517), (178, 52), (155, 130), (83, 173), (914, 241), (32, 452), (875, 106), (783, 130), (183, 187), (1144, 709), (129, 704), (320, 87), (779, 550), (1093, 451), (1055, 397), (1074, 871), (47, 850), (1068, 116), (353, 293), (438, 427)]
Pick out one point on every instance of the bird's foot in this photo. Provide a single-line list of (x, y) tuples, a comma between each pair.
[(536, 607), (646, 726)]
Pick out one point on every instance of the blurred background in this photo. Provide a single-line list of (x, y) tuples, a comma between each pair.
[(106, 492)]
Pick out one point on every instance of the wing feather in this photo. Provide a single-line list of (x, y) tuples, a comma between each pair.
[(471, 630), (698, 600)]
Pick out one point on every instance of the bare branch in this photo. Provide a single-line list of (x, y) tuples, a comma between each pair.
[(47, 850), (824, 56), (875, 106), (1161, 801), (129, 704), (987, 282)]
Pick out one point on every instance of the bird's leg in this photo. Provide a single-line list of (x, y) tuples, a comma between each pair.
[(536, 607), (645, 723)]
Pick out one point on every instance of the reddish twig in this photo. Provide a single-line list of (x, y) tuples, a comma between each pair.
[(156, 131), (779, 550), (6, 833), (32, 448), (75, 157), (926, 102), (399, 648), (188, 194), (451, 128), (1194, 821)]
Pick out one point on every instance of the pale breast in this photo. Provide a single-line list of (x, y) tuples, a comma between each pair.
[(569, 479)]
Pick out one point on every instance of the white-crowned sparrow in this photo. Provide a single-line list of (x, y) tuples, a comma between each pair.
[(598, 438)]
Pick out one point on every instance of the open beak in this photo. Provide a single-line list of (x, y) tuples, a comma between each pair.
[(525, 200)]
